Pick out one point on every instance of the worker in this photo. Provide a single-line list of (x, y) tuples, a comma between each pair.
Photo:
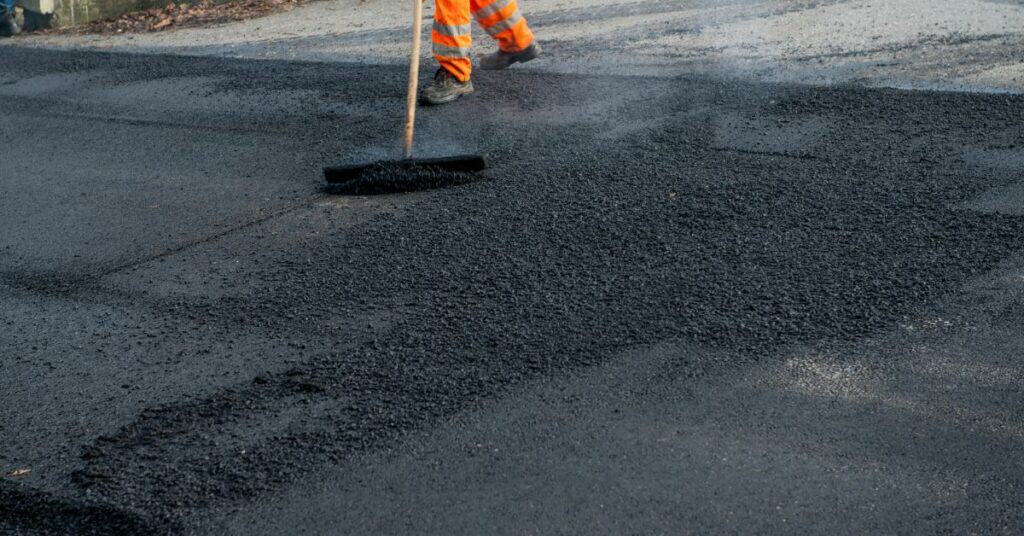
[(8, 27), (452, 39)]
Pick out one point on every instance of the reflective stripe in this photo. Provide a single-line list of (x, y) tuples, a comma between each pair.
[(506, 24), (491, 9), (450, 52), (452, 30)]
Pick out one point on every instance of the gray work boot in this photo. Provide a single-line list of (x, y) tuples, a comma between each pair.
[(503, 60), (445, 88), (8, 27)]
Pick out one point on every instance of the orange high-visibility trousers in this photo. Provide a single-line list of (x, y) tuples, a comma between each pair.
[(451, 34)]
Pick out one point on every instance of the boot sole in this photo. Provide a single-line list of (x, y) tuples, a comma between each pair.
[(450, 98), (521, 57)]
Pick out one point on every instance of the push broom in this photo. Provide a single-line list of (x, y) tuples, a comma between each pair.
[(341, 175)]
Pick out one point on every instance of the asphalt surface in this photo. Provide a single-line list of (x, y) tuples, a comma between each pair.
[(680, 274)]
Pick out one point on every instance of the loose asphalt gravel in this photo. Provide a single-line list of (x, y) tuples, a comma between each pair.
[(192, 323)]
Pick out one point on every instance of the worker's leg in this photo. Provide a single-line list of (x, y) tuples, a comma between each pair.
[(504, 22), (452, 38)]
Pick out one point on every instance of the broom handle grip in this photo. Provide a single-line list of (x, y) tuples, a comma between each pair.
[(414, 75)]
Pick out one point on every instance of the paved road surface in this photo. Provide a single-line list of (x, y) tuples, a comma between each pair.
[(927, 44), (716, 303)]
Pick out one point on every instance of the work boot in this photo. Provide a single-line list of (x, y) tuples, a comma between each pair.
[(8, 27), (445, 88), (504, 60)]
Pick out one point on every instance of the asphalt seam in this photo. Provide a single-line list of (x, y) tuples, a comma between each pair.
[(287, 209), (65, 284)]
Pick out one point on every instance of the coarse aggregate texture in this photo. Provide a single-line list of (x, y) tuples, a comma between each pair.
[(910, 432), (741, 219)]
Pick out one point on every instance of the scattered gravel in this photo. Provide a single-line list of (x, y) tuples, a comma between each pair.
[(181, 15)]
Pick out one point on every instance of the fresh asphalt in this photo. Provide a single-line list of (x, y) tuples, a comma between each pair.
[(676, 304)]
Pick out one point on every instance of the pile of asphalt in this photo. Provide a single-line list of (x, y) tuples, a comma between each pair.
[(739, 218)]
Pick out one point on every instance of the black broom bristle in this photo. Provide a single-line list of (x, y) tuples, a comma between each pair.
[(394, 176)]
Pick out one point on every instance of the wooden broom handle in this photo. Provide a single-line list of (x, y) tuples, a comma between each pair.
[(414, 75)]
